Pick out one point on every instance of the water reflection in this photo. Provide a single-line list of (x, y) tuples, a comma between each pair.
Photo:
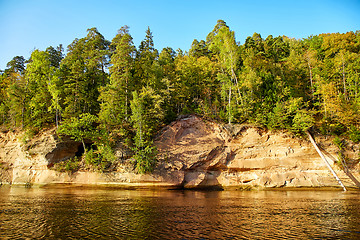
[(69, 213)]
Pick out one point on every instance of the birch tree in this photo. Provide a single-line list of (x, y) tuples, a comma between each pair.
[(223, 43), (115, 96)]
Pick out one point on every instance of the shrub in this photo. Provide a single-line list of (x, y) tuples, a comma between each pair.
[(101, 159), (302, 121), (145, 160), (69, 165), (354, 134)]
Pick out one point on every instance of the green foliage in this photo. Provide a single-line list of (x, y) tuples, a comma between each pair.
[(28, 135), (83, 71), (339, 143), (144, 157), (91, 158), (17, 65), (302, 122), (102, 92), (101, 158), (115, 96), (291, 115), (354, 134), (146, 116), (39, 74), (199, 49), (70, 165), (81, 128), (17, 100), (145, 64)]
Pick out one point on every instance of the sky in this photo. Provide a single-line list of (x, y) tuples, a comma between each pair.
[(26, 25)]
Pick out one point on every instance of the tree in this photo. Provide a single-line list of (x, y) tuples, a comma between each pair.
[(168, 75), (80, 128), (210, 37), (255, 43), (17, 65), (39, 74), (83, 70), (146, 117), (196, 87), (15, 103), (276, 48), (223, 43), (198, 49), (55, 55), (4, 86), (115, 96), (145, 66), (341, 59)]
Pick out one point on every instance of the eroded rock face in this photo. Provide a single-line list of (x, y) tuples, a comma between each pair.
[(188, 143), (193, 153), (230, 156), (63, 151), (28, 160)]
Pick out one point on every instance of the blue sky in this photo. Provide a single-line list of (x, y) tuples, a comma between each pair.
[(26, 25)]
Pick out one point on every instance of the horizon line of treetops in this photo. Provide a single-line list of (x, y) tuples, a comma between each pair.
[(104, 92)]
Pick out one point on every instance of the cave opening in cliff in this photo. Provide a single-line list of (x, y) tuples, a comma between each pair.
[(80, 150)]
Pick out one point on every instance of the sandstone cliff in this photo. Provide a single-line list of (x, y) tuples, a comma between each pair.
[(193, 153)]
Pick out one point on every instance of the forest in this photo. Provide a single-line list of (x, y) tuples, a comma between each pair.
[(103, 92)]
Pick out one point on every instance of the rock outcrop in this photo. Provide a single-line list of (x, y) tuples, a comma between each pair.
[(193, 153), (243, 156)]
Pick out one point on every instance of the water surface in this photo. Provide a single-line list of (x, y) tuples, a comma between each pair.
[(79, 213)]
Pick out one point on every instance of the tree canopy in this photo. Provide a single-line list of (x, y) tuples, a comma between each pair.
[(127, 94)]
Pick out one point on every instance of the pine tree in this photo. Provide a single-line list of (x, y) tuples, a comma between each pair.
[(83, 70), (145, 66), (146, 117), (15, 103), (116, 95)]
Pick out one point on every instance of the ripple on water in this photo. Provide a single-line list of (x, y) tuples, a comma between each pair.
[(95, 214)]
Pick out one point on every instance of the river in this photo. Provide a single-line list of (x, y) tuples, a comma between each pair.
[(86, 213)]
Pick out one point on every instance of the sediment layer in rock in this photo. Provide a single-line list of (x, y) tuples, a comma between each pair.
[(193, 153)]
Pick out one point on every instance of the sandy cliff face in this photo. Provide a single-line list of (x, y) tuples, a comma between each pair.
[(192, 153), (29, 162), (211, 155)]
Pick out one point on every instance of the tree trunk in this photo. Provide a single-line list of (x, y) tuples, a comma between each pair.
[(230, 104), (344, 79), (57, 113), (347, 171), (324, 159), (126, 98), (56, 118), (311, 80), (83, 143), (237, 84)]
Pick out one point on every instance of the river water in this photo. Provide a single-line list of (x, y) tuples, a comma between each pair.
[(80, 213)]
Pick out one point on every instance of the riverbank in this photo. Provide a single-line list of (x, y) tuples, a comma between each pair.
[(150, 187), (192, 154)]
